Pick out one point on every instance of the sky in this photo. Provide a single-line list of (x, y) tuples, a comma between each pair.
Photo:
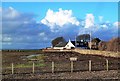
[(60, 0), (33, 25)]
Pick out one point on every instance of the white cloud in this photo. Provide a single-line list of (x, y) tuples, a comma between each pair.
[(100, 18), (0, 16), (0, 9), (25, 22), (59, 18), (104, 26), (10, 13), (89, 21), (116, 24), (21, 28), (6, 43), (107, 21), (7, 39), (41, 34)]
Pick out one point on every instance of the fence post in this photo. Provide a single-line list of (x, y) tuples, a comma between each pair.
[(12, 68), (107, 64), (71, 66), (33, 67), (90, 67), (52, 67)]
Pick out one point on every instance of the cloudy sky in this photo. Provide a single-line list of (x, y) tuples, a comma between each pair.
[(32, 25)]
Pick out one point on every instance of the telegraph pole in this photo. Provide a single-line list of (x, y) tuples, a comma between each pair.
[(90, 40), (75, 41)]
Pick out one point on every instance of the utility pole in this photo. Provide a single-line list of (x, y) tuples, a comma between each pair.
[(75, 42), (90, 40)]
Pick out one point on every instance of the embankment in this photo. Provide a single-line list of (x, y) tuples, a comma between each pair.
[(89, 52)]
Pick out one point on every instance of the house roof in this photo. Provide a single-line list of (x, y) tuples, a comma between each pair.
[(70, 44), (73, 42), (61, 44)]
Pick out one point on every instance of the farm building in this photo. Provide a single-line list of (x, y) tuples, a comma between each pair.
[(94, 43), (80, 44), (64, 45)]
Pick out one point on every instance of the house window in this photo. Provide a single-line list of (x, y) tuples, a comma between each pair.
[(67, 45), (77, 44), (81, 43)]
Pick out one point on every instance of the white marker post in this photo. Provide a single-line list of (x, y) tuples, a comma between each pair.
[(107, 64), (52, 67), (72, 66), (90, 67), (12, 68), (33, 67)]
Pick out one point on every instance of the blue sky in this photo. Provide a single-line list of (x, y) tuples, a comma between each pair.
[(79, 8), (32, 25)]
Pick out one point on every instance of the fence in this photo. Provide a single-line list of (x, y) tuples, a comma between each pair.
[(61, 66)]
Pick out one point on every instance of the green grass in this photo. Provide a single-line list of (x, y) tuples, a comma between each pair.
[(29, 65), (41, 65), (40, 57)]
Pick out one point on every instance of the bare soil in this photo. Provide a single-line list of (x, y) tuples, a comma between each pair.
[(62, 66)]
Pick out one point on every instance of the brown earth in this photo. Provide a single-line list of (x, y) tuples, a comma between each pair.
[(113, 45), (62, 66), (112, 74)]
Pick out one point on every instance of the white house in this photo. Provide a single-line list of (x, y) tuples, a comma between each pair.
[(69, 45), (64, 45)]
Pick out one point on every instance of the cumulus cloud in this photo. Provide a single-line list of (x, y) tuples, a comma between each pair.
[(116, 24), (0, 23), (89, 21), (89, 25), (0, 12), (21, 27), (100, 18), (21, 30), (6, 39), (42, 34), (12, 19), (60, 18), (10, 13), (104, 26), (0, 9)]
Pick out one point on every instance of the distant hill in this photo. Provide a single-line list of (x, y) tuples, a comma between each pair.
[(112, 45)]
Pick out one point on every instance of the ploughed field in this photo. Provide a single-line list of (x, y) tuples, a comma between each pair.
[(43, 60)]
